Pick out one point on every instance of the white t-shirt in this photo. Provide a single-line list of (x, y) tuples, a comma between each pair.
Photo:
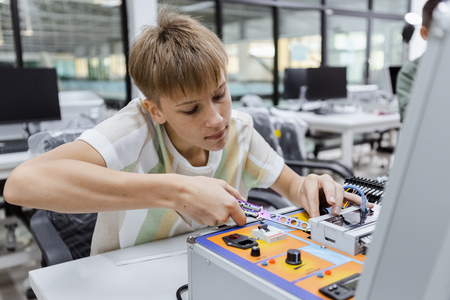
[(131, 141)]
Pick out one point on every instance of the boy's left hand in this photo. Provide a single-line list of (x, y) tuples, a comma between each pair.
[(322, 191)]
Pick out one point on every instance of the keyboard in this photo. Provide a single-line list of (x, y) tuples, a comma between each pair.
[(325, 111), (335, 110), (13, 146)]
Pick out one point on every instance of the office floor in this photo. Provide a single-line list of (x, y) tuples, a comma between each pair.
[(14, 280)]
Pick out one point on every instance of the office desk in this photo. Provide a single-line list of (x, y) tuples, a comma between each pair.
[(347, 125), (98, 277), (11, 160)]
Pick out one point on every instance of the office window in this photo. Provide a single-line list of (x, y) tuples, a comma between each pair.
[(391, 7), (349, 4), (81, 39), (346, 45), (7, 54), (204, 11), (247, 34), (386, 48), (315, 2), (299, 43)]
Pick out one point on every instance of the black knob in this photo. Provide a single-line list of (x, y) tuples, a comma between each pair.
[(255, 251), (294, 257)]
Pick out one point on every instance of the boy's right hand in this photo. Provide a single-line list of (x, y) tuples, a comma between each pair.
[(209, 201)]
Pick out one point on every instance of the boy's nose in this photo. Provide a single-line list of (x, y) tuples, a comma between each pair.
[(214, 118)]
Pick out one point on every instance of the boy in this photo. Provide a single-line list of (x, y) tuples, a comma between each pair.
[(406, 75), (185, 155)]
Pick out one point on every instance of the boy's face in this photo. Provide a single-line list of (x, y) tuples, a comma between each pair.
[(196, 122)]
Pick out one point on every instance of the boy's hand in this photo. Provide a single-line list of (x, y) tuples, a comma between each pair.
[(322, 191), (209, 201)]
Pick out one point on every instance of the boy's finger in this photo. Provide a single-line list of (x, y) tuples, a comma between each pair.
[(238, 215), (336, 209), (355, 198), (333, 194), (233, 192)]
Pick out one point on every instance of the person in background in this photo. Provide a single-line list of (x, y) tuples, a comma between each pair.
[(405, 78)]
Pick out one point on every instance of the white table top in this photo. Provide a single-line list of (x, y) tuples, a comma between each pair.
[(98, 277), (345, 124), (358, 122)]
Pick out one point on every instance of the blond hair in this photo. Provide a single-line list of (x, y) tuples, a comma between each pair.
[(178, 55)]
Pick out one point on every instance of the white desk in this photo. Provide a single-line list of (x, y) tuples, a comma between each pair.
[(348, 125), (98, 277), (10, 161)]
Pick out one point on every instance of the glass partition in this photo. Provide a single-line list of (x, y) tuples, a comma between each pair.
[(346, 45), (7, 53), (248, 37), (386, 49), (81, 39), (300, 41), (360, 5), (391, 7), (204, 11)]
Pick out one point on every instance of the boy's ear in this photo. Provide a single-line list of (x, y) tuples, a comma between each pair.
[(424, 32), (156, 114)]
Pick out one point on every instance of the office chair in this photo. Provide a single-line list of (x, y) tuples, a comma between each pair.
[(289, 146), (62, 237), (384, 145), (291, 140)]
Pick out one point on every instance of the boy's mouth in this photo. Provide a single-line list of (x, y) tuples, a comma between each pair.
[(218, 135)]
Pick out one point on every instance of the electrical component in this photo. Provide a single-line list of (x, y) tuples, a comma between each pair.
[(239, 241), (269, 234), (364, 208), (372, 188), (260, 214), (293, 257), (345, 232)]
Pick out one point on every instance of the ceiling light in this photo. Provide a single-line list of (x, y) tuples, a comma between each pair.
[(413, 18)]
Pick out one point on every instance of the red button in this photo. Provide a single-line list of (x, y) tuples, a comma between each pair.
[(233, 236), (328, 272), (272, 261)]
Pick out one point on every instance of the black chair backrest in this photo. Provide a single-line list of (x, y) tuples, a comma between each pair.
[(288, 140), (263, 124), (76, 231)]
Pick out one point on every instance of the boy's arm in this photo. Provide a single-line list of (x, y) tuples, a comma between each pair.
[(312, 191), (74, 178)]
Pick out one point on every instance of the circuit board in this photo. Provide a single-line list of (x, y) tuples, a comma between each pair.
[(315, 267)]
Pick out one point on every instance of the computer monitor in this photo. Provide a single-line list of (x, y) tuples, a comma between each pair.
[(393, 72), (28, 95), (326, 83), (409, 254), (293, 80)]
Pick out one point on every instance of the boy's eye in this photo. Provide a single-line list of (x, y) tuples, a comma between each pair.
[(190, 112), (218, 97)]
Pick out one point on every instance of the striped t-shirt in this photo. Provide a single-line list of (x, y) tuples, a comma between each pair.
[(131, 141)]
